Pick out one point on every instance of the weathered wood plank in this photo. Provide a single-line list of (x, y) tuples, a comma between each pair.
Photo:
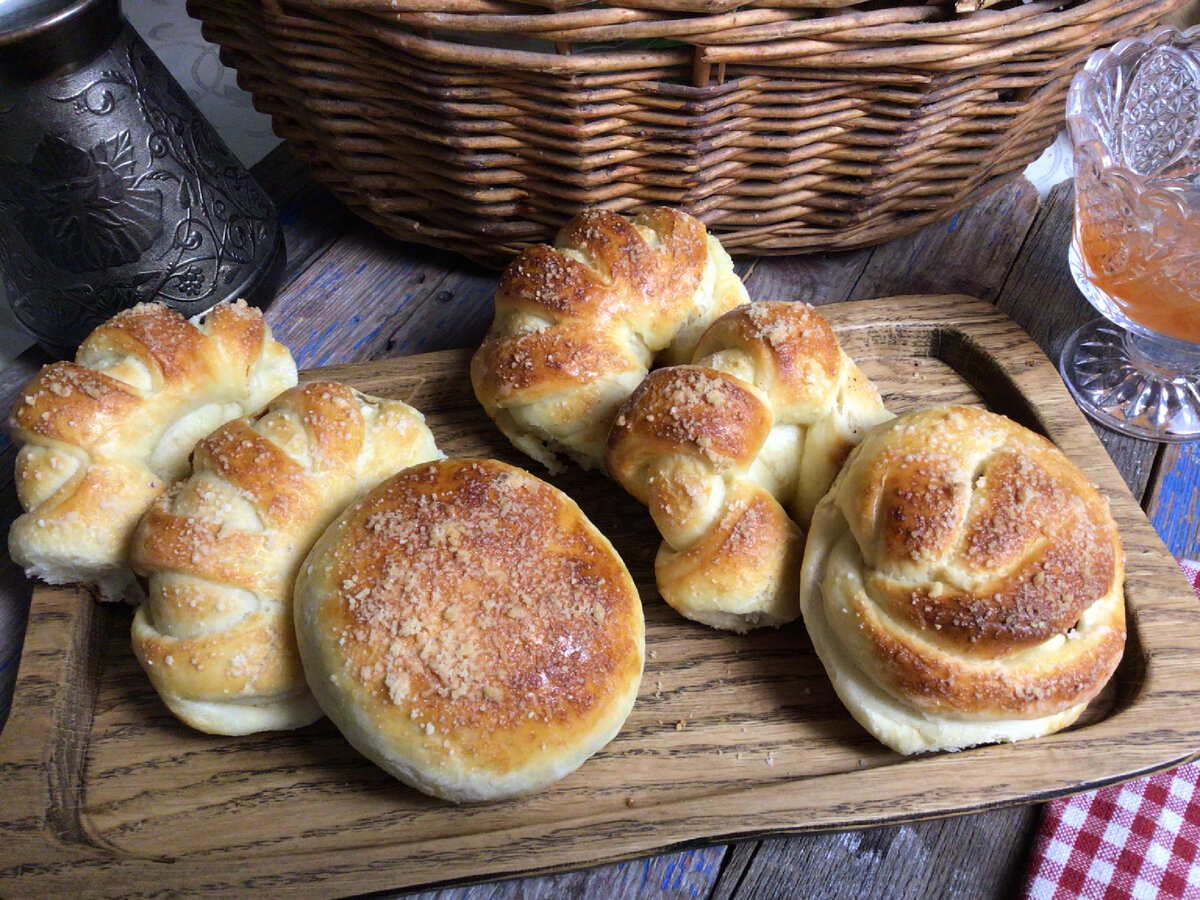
[(310, 218), (815, 278), (738, 860), (367, 297), (1174, 502), (686, 875), (958, 857), (970, 253)]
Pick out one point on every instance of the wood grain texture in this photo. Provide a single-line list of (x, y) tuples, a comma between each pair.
[(901, 862), (360, 300), (310, 219), (684, 875), (733, 736), (970, 253), (1174, 503), (352, 294)]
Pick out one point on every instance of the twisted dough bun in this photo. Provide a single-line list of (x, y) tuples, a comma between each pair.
[(730, 455), (962, 583), (222, 549), (577, 325), (104, 435), (470, 631)]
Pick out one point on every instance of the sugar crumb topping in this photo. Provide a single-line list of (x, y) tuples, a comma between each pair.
[(478, 598)]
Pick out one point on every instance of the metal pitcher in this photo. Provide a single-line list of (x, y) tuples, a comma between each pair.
[(114, 189)]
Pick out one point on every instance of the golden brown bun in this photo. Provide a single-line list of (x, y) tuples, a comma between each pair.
[(730, 455), (221, 550), (578, 325), (963, 583), (818, 396), (104, 435), (470, 631)]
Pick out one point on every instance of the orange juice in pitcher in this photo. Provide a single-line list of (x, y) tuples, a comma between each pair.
[(1141, 248), (1133, 115)]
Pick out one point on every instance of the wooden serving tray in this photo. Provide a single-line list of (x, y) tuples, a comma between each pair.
[(732, 736)]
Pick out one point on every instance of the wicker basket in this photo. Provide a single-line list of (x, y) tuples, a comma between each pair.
[(785, 125)]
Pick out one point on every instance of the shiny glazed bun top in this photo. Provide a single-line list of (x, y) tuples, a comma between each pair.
[(469, 630), (963, 582)]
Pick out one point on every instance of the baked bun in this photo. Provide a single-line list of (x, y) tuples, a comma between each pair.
[(221, 550), (821, 402), (962, 583), (104, 435), (578, 325), (470, 631), (731, 453)]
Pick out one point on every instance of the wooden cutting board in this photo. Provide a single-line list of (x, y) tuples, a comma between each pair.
[(732, 736)]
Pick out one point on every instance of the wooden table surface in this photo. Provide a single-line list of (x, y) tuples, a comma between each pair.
[(352, 295)]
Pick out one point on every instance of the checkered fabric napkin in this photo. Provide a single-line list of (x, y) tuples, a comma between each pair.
[(1136, 840)]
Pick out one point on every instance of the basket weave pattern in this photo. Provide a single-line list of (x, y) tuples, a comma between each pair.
[(785, 125)]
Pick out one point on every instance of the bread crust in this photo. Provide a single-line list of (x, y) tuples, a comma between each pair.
[(578, 325), (963, 583), (102, 436), (730, 453), (221, 550), (468, 629)]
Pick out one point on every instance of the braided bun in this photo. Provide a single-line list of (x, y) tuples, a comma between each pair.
[(820, 400), (729, 454), (962, 583), (577, 325), (104, 435), (222, 550)]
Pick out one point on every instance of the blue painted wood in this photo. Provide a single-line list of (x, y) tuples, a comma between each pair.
[(1176, 514), (371, 298), (683, 875)]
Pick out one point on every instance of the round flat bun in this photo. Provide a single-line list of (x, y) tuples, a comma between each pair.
[(963, 583), (470, 631)]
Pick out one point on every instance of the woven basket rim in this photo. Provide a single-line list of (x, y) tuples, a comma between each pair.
[(903, 36), (785, 125)]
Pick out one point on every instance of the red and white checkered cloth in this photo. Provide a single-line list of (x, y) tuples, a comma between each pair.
[(1137, 840)]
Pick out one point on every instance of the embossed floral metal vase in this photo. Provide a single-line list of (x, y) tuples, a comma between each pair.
[(114, 189)]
